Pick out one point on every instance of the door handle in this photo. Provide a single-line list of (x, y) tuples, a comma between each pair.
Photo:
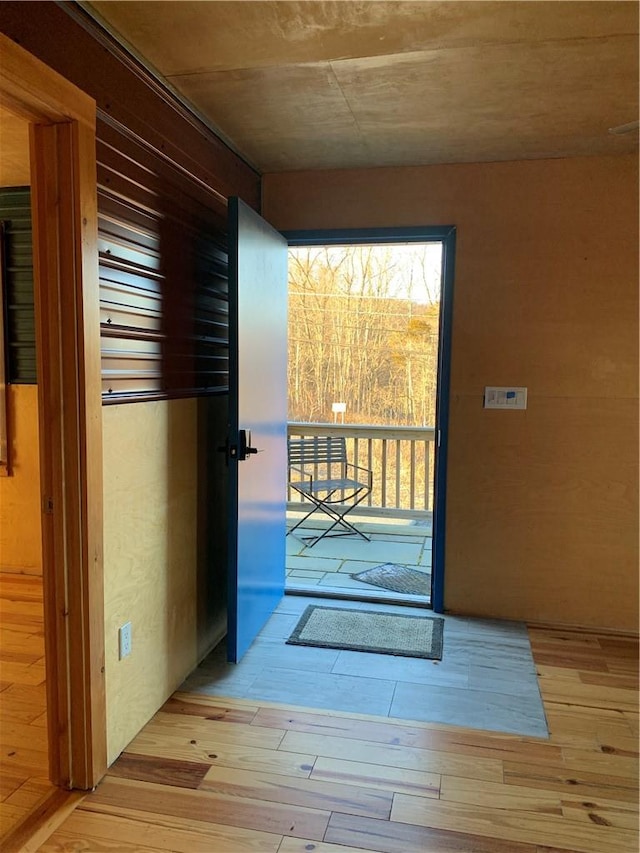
[(242, 450), (244, 444)]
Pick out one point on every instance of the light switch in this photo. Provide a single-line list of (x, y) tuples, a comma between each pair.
[(511, 397)]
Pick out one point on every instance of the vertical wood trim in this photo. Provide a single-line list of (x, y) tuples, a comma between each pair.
[(67, 319), (88, 332), (65, 239), (63, 170), (47, 316)]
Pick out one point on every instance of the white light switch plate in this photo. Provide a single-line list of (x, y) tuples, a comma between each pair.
[(508, 397)]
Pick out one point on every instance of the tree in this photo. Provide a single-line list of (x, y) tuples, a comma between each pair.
[(357, 335)]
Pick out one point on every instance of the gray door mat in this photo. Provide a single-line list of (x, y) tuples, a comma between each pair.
[(396, 578), (369, 631)]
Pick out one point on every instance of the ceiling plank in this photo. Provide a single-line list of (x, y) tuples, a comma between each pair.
[(195, 37), (318, 85)]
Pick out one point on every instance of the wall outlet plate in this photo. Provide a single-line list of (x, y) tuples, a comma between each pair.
[(505, 397), (124, 641)]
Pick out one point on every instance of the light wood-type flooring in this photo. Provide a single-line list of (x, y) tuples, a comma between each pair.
[(215, 775), (23, 721), (210, 774)]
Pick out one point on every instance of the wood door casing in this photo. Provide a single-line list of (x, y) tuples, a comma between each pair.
[(62, 141)]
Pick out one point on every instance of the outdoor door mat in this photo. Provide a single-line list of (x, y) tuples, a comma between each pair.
[(397, 579), (369, 631)]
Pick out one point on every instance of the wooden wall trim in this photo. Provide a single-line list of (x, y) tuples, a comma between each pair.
[(71, 42), (27, 98), (71, 447), (91, 609), (66, 294)]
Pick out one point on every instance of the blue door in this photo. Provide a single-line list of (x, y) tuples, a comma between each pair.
[(257, 438)]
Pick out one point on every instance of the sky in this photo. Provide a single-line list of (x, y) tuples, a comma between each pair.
[(417, 267)]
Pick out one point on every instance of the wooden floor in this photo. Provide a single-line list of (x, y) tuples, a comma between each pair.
[(213, 775), (23, 721)]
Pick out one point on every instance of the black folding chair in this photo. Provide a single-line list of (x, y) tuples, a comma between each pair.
[(320, 472)]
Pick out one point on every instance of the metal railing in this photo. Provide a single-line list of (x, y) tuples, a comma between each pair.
[(402, 460)]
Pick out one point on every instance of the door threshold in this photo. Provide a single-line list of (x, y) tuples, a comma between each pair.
[(370, 598)]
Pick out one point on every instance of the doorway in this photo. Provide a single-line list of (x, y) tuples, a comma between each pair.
[(23, 735), (270, 657), (369, 337), (61, 151)]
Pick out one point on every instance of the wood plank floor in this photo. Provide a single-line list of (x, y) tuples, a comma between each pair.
[(216, 775), (24, 767)]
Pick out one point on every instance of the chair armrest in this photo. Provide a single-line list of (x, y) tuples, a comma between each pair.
[(304, 477), (367, 471)]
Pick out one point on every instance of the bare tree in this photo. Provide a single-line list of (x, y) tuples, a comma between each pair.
[(357, 335)]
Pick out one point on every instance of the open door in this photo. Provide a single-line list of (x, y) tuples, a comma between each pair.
[(257, 439)]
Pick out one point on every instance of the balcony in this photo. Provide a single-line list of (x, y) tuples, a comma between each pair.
[(397, 516)]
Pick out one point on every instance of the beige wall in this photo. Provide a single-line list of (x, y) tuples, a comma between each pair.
[(542, 517), (151, 485), (20, 526), (149, 558)]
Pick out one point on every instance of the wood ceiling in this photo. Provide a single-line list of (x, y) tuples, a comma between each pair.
[(343, 84)]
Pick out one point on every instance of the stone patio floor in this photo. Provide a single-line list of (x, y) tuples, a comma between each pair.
[(327, 566)]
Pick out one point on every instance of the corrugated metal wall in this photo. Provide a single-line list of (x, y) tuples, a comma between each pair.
[(15, 214), (163, 278), (163, 286)]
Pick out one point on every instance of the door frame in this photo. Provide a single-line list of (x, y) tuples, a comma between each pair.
[(445, 234), (64, 210)]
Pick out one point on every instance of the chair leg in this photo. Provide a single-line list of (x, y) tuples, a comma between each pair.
[(338, 520), (302, 520), (348, 531), (317, 504)]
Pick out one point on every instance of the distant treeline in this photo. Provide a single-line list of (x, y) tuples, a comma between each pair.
[(352, 339)]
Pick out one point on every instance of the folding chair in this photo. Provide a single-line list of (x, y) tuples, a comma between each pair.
[(313, 463)]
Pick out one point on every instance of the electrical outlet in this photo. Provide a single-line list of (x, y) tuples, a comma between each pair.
[(124, 640)]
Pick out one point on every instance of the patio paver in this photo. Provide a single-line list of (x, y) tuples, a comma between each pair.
[(330, 563)]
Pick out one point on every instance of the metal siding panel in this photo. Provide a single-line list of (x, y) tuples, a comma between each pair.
[(15, 212), (163, 280)]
